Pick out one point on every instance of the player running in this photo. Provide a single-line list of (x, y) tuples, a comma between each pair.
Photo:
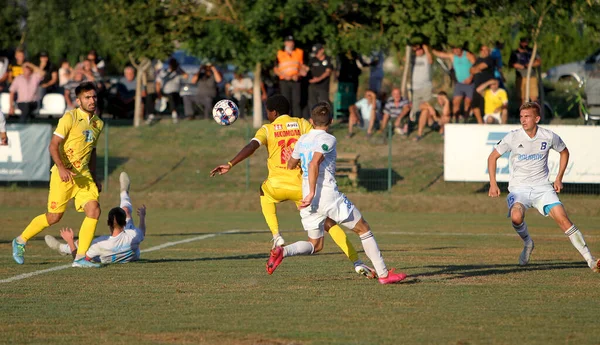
[(529, 186), (73, 150), (282, 184), (123, 244), (316, 152)]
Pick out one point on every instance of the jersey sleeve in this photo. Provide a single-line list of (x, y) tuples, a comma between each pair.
[(503, 145), (503, 96), (261, 135), (64, 125), (557, 143), (326, 144)]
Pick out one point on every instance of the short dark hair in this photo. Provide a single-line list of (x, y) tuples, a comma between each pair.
[(117, 215), (442, 93), (531, 105), (279, 104), (85, 87), (321, 114)]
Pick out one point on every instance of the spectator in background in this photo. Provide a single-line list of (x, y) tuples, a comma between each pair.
[(125, 98), (97, 64), (462, 61), (64, 75), (349, 71), (290, 68), (376, 71), (396, 108), (496, 102), (496, 54), (168, 84), (364, 113), (432, 118), (519, 60), (70, 86), (16, 69), (3, 136), (50, 81), (93, 67), (320, 70), (3, 72), (240, 89), (26, 88), (421, 78), (206, 81), (482, 71)]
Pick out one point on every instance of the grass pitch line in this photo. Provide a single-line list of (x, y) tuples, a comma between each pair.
[(473, 234), (151, 249)]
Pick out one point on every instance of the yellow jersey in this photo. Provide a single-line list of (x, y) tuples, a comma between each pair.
[(80, 134), (279, 137)]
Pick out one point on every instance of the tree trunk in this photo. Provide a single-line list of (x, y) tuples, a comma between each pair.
[(405, 73), (257, 116), (529, 67), (140, 70)]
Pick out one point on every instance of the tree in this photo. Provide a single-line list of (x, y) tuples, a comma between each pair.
[(12, 15)]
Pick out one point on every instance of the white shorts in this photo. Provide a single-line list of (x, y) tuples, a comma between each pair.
[(496, 116), (330, 203), (543, 198)]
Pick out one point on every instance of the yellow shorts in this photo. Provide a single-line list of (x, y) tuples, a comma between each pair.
[(277, 195), (83, 189)]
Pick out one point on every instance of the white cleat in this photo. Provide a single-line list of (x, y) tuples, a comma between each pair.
[(595, 265), (54, 244), (124, 182), (365, 270), (526, 253), (278, 241)]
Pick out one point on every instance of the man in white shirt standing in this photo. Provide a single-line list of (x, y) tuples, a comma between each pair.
[(123, 244), (316, 153), (529, 186)]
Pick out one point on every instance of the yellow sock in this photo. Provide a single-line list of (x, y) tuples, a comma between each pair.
[(86, 235), (270, 212), (340, 238), (37, 225)]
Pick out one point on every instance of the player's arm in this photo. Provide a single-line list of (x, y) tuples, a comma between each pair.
[(246, 152), (562, 167), (65, 174), (141, 212), (494, 190), (313, 175), (292, 163), (67, 235)]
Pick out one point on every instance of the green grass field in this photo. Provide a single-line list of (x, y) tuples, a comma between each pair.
[(459, 250)]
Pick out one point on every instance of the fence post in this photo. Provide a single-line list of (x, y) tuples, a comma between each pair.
[(105, 187), (248, 159), (389, 177)]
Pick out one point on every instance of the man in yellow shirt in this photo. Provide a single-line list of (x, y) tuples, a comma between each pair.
[(495, 102), (282, 184), (73, 150)]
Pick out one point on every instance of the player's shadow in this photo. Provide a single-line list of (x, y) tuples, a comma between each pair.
[(220, 258), (468, 271), (376, 180), (204, 233)]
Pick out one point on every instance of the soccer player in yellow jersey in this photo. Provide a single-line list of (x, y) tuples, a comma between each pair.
[(282, 184), (73, 176)]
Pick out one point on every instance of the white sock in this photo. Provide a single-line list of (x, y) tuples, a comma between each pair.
[(126, 201), (521, 229), (298, 248), (576, 238), (64, 248), (372, 250)]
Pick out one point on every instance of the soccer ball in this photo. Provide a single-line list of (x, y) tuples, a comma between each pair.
[(225, 112)]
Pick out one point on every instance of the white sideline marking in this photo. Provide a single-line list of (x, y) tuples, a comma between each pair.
[(151, 249)]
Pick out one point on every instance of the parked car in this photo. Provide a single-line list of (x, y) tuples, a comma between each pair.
[(574, 72)]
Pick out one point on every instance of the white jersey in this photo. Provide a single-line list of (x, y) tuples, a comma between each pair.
[(529, 156), (317, 140), (2, 123), (124, 247)]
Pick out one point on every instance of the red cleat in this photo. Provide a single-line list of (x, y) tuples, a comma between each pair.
[(392, 277), (275, 259)]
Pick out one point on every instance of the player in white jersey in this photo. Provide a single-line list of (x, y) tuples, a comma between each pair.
[(529, 185), (316, 152), (123, 244)]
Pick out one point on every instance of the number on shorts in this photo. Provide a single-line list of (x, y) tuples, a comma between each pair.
[(286, 147)]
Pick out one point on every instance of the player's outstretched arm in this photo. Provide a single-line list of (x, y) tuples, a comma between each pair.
[(67, 235), (313, 175), (494, 191), (141, 212), (246, 152), (564, 161)]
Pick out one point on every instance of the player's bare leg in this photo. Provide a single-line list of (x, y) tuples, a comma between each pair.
[(369, 244), (558, 213), (517, 216)]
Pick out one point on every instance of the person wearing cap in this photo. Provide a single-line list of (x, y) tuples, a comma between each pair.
[(50, 81), (519, 60), (320, 70), (290, 68)]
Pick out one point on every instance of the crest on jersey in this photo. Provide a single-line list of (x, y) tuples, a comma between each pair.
[(278, 127), (292, 125)]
